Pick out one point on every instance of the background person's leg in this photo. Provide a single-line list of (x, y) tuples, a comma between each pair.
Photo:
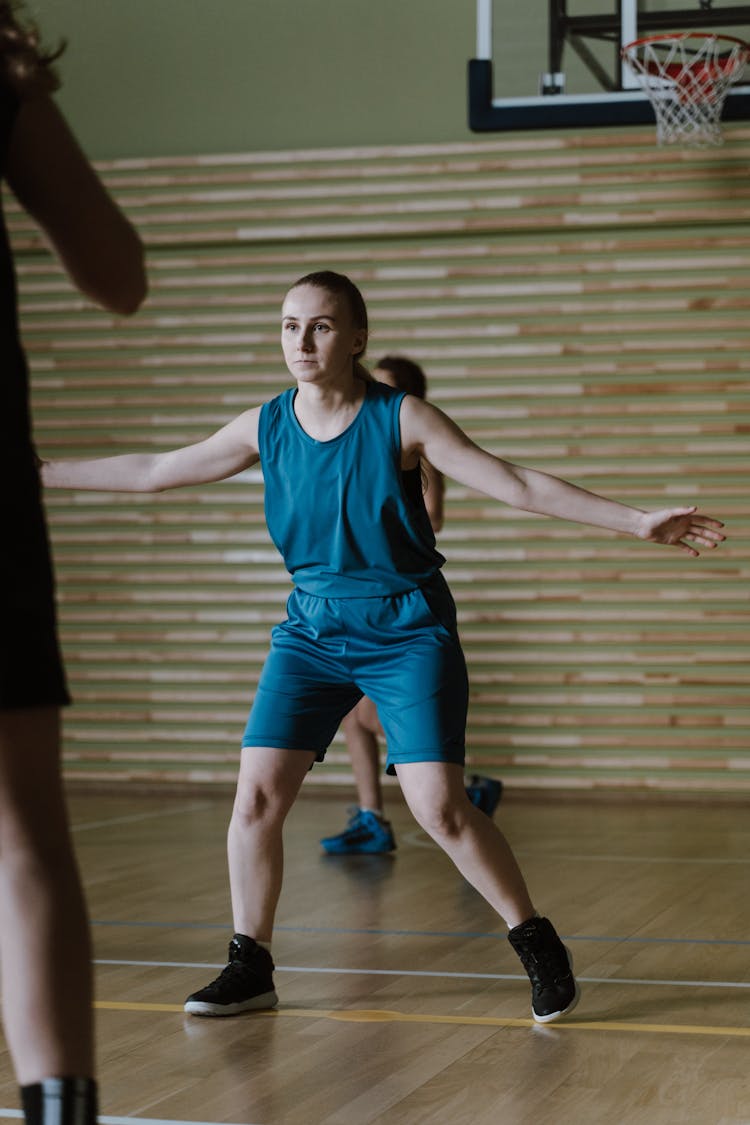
[(367, 832), (361, 729)]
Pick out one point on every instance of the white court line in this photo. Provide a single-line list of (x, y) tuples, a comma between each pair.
[(425, 973), (600, 858), (134, 817), (124, 1120), (418, 840)]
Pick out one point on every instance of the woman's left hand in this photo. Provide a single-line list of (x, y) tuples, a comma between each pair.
[(680, 527)]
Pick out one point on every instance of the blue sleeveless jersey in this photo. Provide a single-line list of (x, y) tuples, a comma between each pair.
[(347, 521)]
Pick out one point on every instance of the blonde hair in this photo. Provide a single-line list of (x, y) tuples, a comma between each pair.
[(25, 65)]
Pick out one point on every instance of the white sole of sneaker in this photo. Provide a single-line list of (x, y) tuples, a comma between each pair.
[(256, 1004), (558, 1015)]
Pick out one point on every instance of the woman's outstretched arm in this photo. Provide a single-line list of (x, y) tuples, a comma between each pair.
[(427, 432), (228, 451)]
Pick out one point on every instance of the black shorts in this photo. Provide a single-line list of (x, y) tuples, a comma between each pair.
[(31, 669)]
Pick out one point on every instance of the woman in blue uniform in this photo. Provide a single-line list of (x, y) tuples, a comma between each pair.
[(370, 614)]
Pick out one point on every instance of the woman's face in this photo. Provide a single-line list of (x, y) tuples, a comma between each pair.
[(318, 337)]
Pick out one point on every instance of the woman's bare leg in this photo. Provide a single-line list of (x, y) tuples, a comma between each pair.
[(268, 783), (436, 796)]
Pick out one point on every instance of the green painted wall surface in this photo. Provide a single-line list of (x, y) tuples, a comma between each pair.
[(167, 77)]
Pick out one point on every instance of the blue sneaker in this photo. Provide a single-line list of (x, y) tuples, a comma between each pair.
[(365, 834), (484, 793)]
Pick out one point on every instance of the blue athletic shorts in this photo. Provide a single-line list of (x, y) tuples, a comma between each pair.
[(402, 651)]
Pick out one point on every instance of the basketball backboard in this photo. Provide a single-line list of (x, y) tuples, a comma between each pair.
[(546, 64)]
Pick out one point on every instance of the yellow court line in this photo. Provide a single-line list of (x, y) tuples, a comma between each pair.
[(365, 1015), (135, 1006)]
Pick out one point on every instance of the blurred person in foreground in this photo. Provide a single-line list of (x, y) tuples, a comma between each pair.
[(45, 948)]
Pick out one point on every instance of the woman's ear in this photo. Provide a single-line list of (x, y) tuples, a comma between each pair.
[(359, 342)]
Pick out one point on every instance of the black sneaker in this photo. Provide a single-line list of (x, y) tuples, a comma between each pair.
[(245, 985), (554, 991)]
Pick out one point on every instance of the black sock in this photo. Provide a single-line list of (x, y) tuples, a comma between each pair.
[(60, 1101)]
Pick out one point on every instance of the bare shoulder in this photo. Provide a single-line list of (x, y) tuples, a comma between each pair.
[(237, 438), (246, 425), (416, 414), (422, 422)]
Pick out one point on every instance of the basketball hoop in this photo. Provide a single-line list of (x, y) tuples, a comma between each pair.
[(687, 77)]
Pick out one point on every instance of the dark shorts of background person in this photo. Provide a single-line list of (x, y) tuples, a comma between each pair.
[(401, 651)]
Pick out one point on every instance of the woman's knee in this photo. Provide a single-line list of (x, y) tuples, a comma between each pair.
[(268, 784), (255, 802), (442, 817)]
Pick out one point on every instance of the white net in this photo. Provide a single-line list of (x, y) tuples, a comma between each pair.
[(687, 78)]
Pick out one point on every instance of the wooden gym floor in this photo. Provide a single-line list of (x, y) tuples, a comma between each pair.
[(401, 1001)]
